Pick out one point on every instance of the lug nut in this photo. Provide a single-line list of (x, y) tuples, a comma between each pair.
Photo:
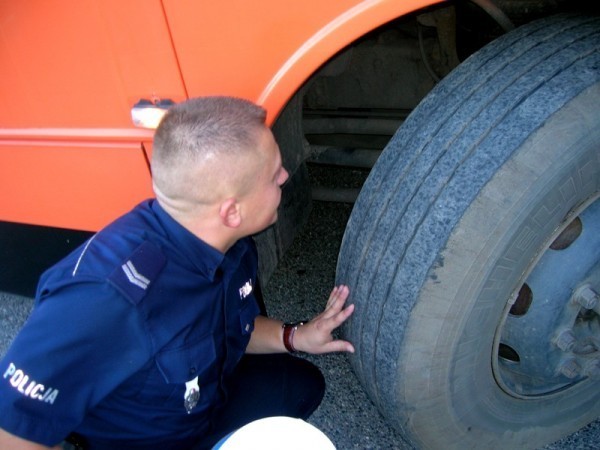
[(565, 340), (587, 297), (569, 368)]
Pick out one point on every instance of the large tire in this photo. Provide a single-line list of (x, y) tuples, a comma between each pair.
[(456, 219)]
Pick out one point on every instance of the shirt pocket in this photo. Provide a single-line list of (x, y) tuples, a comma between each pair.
[(178, 366)]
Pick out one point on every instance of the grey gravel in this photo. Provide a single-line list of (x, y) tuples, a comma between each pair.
[(298, 290)]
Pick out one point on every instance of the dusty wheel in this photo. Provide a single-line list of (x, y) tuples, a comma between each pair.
[(473, 250)]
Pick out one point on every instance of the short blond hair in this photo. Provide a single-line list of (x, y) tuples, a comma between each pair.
[(197, 133)]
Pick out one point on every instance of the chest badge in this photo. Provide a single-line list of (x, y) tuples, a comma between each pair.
[(192, 395), (246, 290)]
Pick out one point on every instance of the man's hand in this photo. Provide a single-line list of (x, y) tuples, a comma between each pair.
[(315, 336)]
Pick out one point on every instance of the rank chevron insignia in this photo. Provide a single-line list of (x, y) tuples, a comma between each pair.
[(134, 276)]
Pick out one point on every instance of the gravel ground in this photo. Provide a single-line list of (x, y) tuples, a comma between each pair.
[(298, 290)]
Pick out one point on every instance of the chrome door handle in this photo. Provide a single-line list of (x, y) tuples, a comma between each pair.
[(148, 114)]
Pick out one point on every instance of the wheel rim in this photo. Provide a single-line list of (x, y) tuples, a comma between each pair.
[(549, 338)]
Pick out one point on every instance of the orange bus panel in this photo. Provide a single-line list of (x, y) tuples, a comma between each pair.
[(72, 70), (80, 186)]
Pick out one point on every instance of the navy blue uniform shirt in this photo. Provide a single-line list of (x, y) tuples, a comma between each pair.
[(123, 329)]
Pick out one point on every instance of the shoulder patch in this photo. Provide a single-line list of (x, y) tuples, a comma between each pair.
[(136, 274)]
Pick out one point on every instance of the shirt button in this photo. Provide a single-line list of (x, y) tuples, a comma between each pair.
[(247, 327)]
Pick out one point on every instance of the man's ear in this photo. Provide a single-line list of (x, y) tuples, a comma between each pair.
[(230, 213)]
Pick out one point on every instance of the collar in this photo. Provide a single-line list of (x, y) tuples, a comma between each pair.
[(204, 257)]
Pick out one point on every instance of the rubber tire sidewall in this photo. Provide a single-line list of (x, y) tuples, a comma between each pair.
[(445, 367)]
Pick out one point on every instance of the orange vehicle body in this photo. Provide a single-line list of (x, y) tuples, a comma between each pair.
[(70, 156)]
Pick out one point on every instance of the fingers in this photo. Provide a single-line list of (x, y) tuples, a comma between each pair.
[(336, 302), (338, 294), (341, 316), (335, 314), (316, 336), (338, 346)]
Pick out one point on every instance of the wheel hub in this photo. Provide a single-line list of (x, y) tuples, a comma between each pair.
[(550, 338)]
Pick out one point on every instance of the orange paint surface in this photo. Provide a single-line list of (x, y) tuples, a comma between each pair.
[(78, 186), (72, 70)]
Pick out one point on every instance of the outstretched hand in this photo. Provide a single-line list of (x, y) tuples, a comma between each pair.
[(316, 336)]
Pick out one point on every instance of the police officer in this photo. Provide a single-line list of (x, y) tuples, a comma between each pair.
[(149, 335)]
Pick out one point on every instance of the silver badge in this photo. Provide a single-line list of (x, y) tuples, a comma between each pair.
[(192, 395)]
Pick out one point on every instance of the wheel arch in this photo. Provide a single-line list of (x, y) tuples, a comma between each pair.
[(323, 45)]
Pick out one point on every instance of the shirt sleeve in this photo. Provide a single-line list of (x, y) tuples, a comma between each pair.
[(78, 345)]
